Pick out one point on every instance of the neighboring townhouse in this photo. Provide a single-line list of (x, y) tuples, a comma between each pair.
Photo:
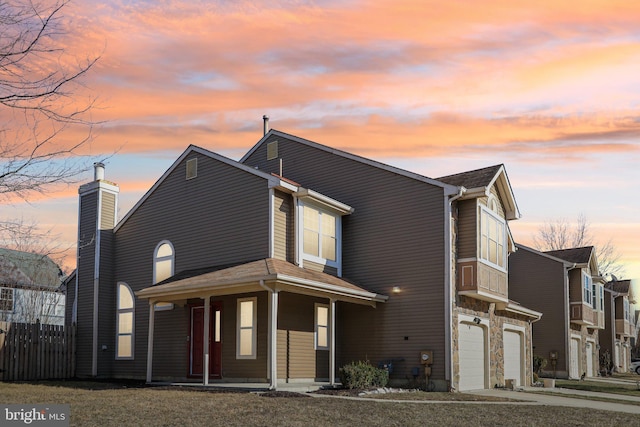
[(30, 288), (618, 337), (294, 261), (566, 286)]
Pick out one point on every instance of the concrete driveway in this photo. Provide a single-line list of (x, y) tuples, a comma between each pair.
[(563, 397)]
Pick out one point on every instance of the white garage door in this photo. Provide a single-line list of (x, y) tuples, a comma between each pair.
[(574, 368), (471, 357), (589, 359), (513, 356)]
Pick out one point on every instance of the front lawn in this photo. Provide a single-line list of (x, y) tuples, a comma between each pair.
[(103, 406)]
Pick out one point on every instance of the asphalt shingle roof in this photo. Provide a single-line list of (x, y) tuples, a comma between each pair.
[(577, 255), (472, 179)]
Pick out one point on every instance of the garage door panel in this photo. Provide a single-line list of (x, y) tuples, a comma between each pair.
[(574, 369), (589, 359), (471, 348), (513, 356)]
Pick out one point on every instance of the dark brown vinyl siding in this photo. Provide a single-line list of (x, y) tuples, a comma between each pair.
[(70, 296), (86, 265), (538, 282), (284, 230), (575, 285), (170, 355), (232, 367), (297, 357), (467, 229), (395, 237), (219, 217), (107, 295)]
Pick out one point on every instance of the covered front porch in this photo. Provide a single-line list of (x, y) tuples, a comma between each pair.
[(300, 316)]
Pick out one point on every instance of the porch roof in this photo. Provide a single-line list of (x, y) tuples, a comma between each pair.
[(264, 274)]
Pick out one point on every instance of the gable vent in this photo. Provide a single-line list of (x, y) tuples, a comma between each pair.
[(272, 150), (192, 168)]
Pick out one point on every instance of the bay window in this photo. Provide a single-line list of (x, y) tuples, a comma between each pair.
[(493, 239)]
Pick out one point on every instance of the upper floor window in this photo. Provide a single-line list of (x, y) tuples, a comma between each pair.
[(320, 235), (493, 238), (601, 297), (627, 314), (163, 261), (6, 299), (124, 322), (588, 297), (594, 303)]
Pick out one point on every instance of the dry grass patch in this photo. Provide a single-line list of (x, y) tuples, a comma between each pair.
[(168, 407), (438, 396)]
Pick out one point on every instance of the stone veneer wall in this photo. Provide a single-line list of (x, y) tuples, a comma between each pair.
[(586, 333), (497, 319)]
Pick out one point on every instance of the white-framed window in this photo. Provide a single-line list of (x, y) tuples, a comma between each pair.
[(322, 327), (6, 300), (125, 322), (595, 294), (246, 338), (493, 238), (627, 314), (601, 293), (588, 296), (163, 261), (320, 235)]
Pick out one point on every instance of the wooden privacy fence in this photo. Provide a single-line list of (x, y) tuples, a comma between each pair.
[(36, 352)]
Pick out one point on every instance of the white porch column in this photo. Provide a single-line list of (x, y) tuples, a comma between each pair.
[(205, 340), (152, 313), (273, 340), (332, 341)]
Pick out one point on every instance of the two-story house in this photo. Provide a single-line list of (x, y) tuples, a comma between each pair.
[(30, 288), (619, 334), (294, 261), (567, 287)]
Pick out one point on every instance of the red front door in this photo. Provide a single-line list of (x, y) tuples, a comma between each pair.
[(196, 335)]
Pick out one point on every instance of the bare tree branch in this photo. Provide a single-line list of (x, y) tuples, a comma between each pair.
[(39, 102), (562, 234)]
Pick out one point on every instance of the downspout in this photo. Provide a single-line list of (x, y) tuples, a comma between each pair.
[(448, 295), (567, 320), (272, 195)]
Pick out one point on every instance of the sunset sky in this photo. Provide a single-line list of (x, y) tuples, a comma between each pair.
[(550, 89)]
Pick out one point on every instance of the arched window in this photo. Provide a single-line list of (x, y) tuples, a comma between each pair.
[(125, 322), (163, 261)]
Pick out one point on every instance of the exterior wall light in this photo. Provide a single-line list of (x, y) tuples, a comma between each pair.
[(396, 289)]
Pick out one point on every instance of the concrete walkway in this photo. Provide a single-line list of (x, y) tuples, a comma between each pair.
[(549, 396)]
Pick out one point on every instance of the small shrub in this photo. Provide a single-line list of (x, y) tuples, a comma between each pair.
[(539, 363), (363, 375), (535, 378)]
